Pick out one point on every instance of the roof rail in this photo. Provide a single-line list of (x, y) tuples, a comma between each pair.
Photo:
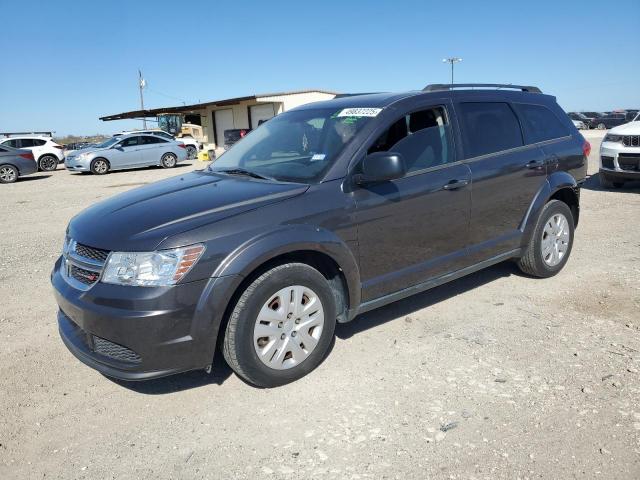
[(9, 134), (436, 87)]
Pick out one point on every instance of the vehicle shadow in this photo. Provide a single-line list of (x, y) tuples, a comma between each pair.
[(186, 163), (32, 178), (221, 371), (183, 381), (593, 183), (419, 301)]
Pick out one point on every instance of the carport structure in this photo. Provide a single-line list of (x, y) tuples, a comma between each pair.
[(232, 113)]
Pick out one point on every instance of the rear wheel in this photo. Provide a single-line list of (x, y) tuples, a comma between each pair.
[(602, 126), (99, 166), (169, 160), (281, 327), (551, 241), (48, 163), (8, 174), (192, 152)]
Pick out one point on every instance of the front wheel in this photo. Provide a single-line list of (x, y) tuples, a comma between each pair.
[(169, 160), (99, 166), (602, 126), (281, 327), (551, 241)]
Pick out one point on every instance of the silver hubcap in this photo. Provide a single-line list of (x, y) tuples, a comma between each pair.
[(191, 152), (7, 174), (555, 239), (288, 327), (169, 160), (100, 166)]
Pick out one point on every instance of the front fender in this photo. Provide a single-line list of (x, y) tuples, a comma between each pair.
[(555, 182), (288, 239)]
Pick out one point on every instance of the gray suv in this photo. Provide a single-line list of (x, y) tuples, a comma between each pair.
[(324, 212)]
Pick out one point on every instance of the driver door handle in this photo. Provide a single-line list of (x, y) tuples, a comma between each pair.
[(455, 184)]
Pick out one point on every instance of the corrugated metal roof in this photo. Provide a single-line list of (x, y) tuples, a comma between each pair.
[(198, 106)]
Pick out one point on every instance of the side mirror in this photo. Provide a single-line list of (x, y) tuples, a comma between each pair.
[(381, 167)]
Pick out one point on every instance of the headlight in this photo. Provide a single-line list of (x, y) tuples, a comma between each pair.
[(612, 138), (151, 269)]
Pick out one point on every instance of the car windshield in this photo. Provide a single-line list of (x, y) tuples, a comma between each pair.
[(296, 146), (108, 143)]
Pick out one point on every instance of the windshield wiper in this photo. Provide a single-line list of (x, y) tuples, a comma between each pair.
[(242, 171)]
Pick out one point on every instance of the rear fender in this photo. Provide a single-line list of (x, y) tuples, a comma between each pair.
[(555, 182)]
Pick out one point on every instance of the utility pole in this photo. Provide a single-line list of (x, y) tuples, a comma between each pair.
[(141, 84), (452, 61)]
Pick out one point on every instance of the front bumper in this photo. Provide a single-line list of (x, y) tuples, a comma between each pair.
[(139, 333), (619, 161), (74, 165)]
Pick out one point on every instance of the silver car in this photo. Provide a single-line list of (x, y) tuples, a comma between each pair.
[(15, 163), (127, 151)]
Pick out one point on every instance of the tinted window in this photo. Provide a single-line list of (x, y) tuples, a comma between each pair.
[(26, 143), (129, 142), (423, 138), (12, 143), (38, 143), (540, 123), (152, 140), (488, 128)]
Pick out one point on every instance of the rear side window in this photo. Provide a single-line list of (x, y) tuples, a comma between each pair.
[(423, 138), (26, 143), (540, 123), (38, 143), (152, 140), (489, 128)]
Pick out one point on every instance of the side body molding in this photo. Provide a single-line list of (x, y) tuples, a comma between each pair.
[(556, 181)]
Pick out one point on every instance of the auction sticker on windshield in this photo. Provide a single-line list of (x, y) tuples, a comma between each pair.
[(360, 112)]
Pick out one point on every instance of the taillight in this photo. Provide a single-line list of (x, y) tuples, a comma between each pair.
[(28, 156), (586, 148), (242, 133), (59, 147), (182, 145)]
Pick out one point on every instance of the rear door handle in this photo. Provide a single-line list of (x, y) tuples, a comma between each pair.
[(455, 184)]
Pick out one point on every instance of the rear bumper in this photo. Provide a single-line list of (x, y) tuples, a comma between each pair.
[(620, 175), (139, 333)]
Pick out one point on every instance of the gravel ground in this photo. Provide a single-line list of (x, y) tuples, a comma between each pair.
[(493, 376)]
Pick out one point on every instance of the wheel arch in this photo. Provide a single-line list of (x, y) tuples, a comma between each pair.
[(559, 186)]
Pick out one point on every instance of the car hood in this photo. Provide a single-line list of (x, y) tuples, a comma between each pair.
[(631, 128), (140, 219), (75, 153)]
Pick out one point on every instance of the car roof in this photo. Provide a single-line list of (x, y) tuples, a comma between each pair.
[(18, 137), (382, 100)]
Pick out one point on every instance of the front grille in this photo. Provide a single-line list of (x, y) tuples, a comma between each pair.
[(96, 254), (631, 140), (629, 162), (113, 350), (87, 277), (607, 162)]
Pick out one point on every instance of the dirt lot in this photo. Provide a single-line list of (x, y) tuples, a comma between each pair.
[(493, 376)]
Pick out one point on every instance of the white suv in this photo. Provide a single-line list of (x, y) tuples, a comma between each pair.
[(620, 155), (190, 143), (45, 151)]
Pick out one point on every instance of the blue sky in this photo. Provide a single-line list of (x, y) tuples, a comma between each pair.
[(67, 63)]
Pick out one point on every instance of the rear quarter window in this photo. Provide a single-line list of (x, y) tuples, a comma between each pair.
[(489, 127), (540, 123)]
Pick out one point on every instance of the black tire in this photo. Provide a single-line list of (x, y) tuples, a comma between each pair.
[(532, 262), (192, 152), (169, 160), (8, 174), (238, 347), (601, 126), (99, 166), (48, 163)]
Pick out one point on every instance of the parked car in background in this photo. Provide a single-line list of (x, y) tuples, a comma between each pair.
[(127, 151), (592, 117), (326, 211), (191, 144), (46, 152), (579, 120), (631, 114), (233, 135), (620, 155), (610, 120), (15, 163)]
